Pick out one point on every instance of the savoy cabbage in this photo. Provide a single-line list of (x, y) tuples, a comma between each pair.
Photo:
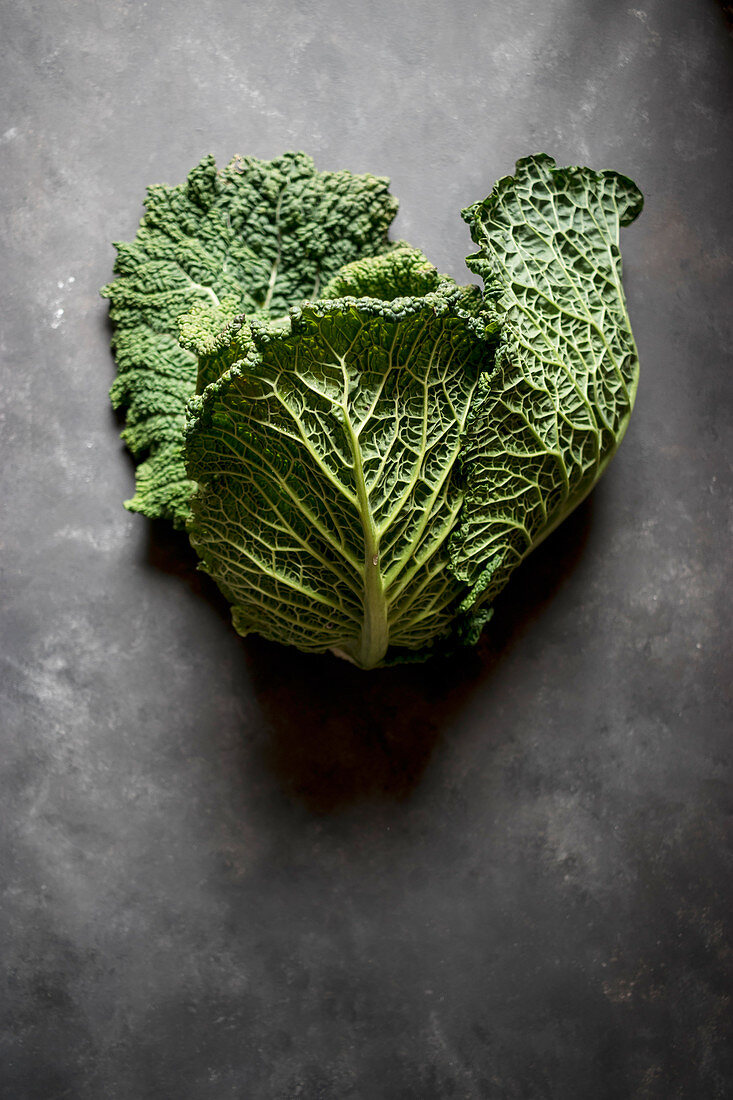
[(361, 450)]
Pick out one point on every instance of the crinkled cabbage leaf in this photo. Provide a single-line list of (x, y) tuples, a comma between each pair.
[(325, 463), (259, 237), (372, 449), (550, 412)]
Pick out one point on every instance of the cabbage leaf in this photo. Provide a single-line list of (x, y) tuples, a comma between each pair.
[(550, 413), (324, 462), (259, 237)]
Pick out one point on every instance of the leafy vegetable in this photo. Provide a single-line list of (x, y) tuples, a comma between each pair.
[(325, 461), (371, 449), (549, 416), (258, 237)]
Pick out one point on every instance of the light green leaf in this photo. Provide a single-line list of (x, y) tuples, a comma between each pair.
[(325, 466), (548, 417), (402, 272)]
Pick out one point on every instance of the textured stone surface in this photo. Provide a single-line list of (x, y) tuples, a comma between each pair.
[(232, 871)]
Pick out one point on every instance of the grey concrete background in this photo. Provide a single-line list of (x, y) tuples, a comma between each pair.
[(230, 870)]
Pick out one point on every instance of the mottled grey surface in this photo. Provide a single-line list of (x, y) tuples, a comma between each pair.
[(232, 871)]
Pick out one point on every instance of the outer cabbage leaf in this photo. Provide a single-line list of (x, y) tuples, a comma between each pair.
[(258, 237), (549, 416), (325, 464)]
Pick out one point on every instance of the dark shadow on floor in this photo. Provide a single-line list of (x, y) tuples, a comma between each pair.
[(726, 7), (335, 734), (170, 551)]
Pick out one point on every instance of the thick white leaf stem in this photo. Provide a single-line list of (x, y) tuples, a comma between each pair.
[(374, 640)]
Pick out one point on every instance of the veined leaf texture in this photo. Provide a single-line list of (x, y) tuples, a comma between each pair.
[(373, 449)]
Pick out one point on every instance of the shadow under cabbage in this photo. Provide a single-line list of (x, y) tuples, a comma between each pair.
[(336, 735)]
